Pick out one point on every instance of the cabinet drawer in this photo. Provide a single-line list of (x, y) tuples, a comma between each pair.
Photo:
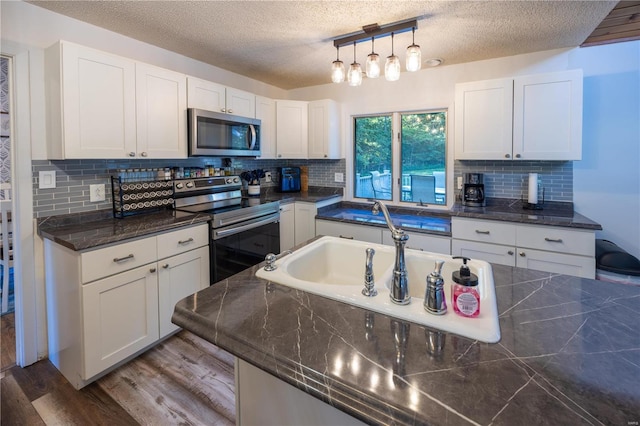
[(183, 240), (483, 231), (352, 232), (430, 243), (557, 239), (494, 253), (118, 258)]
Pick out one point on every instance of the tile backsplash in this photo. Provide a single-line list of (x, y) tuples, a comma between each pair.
[(73, 178), (502, 179)]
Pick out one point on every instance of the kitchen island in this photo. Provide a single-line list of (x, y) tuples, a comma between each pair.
[(569, 352)]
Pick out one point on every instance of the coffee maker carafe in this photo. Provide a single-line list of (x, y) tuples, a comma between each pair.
[(473, 190)]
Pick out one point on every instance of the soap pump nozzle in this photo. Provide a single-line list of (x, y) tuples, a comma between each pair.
[(464, 275)]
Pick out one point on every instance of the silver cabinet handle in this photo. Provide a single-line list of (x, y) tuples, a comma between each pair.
[(143, 154), (230, 111), (510, 252), (507, 156), (165, 266), (132, 154), (122, 259), (325, 156), (522, 254), (346, 238), (223, 110), (553, 240), (152, 270), (518, 155), (415, 248), (182, 242), (482, 232)]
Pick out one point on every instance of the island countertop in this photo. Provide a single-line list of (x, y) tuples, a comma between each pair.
[(569, 351)]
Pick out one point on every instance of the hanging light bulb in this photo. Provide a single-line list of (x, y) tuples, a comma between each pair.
[(373, 63), (414, 56), (392, 67), (354, 77), (337, 68)]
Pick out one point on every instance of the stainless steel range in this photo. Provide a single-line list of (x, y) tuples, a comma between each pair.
[(243, 230)]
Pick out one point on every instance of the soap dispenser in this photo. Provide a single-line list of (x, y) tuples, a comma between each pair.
[(465, 297), (435, 301)]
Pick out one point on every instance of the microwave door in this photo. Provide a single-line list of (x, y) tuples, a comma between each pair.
[(211, 134)]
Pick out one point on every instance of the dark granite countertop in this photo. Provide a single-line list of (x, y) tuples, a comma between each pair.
[(315, 194), (81, 231), (569, 353)]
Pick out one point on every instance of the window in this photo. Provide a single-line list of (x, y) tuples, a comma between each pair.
[(418, 166)]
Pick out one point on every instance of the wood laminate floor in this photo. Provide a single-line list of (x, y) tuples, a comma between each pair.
[(7, 341), (183, 380)]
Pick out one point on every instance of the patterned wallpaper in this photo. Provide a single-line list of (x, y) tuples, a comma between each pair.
[(5, 137)]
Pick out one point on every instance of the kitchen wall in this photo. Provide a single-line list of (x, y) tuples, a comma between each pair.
[(73, 178)]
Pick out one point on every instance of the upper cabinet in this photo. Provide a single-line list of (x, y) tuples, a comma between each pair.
[(266, 113), (215, 97), (292, 124), (536, 117), (104, 106), (324, 129)]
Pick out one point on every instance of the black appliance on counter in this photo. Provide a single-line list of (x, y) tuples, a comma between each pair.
[(473, 190), (243, 231), (289, 178)]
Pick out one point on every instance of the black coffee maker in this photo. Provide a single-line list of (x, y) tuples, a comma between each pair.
[(473, 190)]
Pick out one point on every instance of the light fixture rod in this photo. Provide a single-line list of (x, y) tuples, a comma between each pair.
[(385, 30)]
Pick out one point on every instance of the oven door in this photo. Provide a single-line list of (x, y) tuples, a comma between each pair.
[(241, 246)]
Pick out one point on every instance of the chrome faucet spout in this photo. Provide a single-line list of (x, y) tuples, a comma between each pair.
[(400, 287)]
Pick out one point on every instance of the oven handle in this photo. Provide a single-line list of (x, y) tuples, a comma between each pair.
[(231, 231)]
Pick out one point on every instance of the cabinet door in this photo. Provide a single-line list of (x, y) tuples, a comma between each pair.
[(292, 129), (494, 253), (324, 129), (547, 116), (349, 231), (266, 113), (422, 242), (483, 120), (161, 104), (178, 277), (287, 226), (205, 95), (305, 227), (241, 103), (120, 317), (579, 266), (98, 104)]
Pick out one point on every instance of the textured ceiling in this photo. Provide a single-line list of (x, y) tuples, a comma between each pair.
[(289, 43)]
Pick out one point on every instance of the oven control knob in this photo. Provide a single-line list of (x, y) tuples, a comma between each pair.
[(229, 180), (189, 184), (179, 185), (236, 180)]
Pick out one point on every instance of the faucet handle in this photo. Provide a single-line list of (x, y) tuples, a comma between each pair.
[(369, 289)]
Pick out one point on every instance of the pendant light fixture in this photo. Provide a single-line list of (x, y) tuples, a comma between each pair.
[(354, 77), (337, 68), (392, 67), (414, 56), (373, 63)]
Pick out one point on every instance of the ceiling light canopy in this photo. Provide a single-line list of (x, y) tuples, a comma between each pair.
[(372, 64)]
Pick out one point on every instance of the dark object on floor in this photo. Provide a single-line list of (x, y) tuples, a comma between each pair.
[(611, 258)]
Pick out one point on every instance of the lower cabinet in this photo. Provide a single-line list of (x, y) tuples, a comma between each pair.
[(349, 231), (287, 226), (545, 248), (422, 242), (106, 305)]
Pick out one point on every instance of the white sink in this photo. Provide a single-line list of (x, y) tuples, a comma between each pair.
[(334, 268)]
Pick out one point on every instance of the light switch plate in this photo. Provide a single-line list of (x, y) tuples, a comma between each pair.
[(47, 179), (96, 192)]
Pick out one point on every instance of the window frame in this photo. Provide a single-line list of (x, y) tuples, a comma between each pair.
[(396, 159)]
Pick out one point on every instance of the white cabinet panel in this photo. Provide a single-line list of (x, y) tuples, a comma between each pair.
[(483, 231), (287, 226), (292, 129), (266, 113), (183, 240), (305, 225), (423, 242), (494, 253), (561, 240), (117, 258), (206, 95), (559, 263), (120, 316), (178, 277), (349, 231), (240, 103), (324, 129)]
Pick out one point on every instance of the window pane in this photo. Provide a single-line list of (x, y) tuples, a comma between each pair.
[(373, 157), (424, 138)]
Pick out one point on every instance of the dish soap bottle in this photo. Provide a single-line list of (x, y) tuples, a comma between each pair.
[(465, 297)]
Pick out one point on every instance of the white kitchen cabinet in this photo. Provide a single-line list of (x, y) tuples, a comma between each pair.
[(210, 96), (422, 242), (324, 129), (109, 304), (266, 113), (292, 125), (546, 248), (349, 231), (91, 103), (104, 106), (305, 223), (287, 226), (161, 104), (537, 117)]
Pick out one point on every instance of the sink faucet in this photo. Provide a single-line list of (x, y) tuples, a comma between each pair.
[(400, 287)]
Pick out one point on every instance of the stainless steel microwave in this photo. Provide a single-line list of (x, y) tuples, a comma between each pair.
[(218, 134)]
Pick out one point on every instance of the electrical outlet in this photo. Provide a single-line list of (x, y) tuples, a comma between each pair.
[(96, 192), (459, 182), (339, 177), (267, 177), (47, 179)]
